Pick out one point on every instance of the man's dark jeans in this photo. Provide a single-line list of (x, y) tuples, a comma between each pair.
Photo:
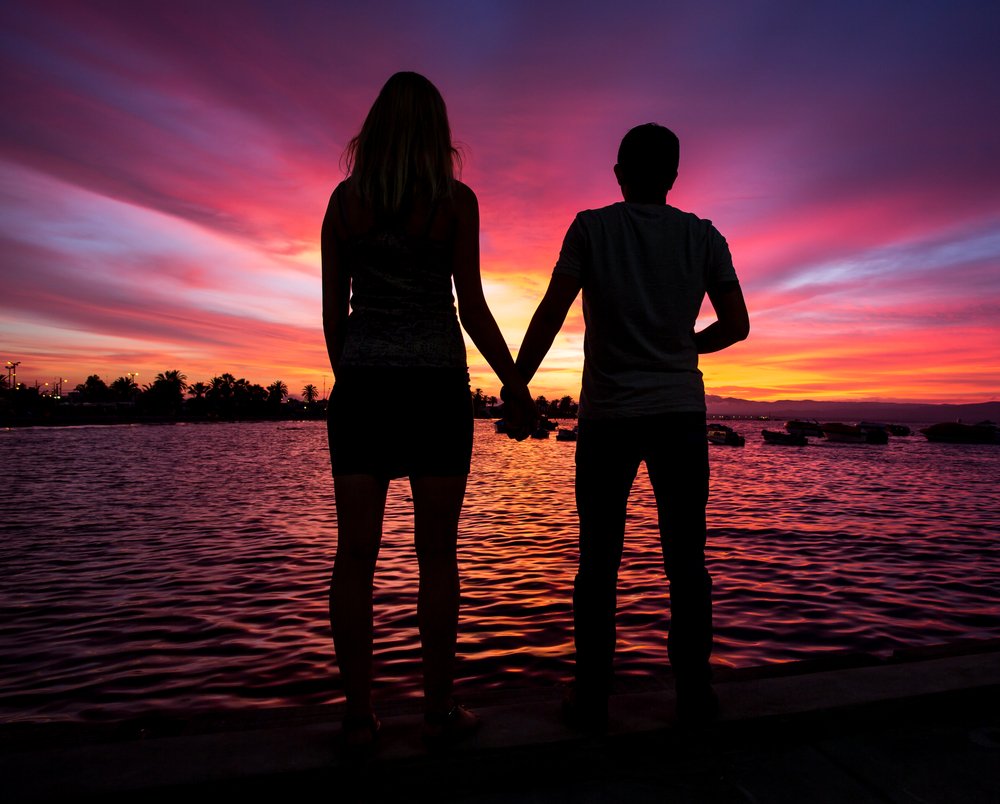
[(675, 449)]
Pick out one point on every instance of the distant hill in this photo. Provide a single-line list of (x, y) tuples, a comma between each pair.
[(853, 411)]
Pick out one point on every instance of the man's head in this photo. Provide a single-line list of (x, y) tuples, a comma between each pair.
[(647, 162)]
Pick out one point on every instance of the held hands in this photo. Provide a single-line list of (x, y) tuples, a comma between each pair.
[(519, 411)]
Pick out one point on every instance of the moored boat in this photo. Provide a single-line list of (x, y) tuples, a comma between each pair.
[(875, 432), (784, 439), (959, 433), (566, 435), (724, 435), (853, 434), (804, 427)]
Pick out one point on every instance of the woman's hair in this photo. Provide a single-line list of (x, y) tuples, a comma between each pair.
[(404, 148)]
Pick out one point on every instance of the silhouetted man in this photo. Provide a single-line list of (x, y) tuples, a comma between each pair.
[(644, 268)]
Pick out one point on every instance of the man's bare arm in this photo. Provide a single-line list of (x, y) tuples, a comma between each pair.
[(546, 323), (733, 320)]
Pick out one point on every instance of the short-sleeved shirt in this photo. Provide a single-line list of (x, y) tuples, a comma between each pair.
[(644, 270)]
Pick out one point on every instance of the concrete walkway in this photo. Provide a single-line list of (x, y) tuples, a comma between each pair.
[(923, 729)]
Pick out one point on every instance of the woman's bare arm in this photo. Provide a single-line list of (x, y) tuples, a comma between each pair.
[(474, 312), (336, 286)]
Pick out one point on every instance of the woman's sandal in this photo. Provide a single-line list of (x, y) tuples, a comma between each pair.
[(448, 727), (359, 732)]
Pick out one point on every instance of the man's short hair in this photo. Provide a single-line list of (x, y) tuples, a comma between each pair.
[(648, 157)]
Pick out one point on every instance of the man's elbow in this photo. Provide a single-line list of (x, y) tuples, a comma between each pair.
[(735, 329)]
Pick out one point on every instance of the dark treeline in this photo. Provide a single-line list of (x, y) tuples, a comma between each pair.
[(489, 407), (170, 397)]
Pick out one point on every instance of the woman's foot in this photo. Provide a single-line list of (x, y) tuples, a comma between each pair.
[(455, 724), (360, 731)]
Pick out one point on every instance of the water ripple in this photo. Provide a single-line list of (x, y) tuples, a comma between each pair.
[(187, 566)]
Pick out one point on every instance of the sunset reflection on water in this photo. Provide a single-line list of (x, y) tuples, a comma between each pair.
[(187, 566)]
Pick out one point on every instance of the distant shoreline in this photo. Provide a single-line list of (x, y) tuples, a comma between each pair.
[(886, 412), (719, 408), (9, 423)]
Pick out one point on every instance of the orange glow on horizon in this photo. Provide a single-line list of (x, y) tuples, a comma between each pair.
[(161, 207)]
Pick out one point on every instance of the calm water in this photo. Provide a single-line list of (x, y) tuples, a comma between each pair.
[(186, 566)]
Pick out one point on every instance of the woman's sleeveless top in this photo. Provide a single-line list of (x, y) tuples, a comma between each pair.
[(402, 308)]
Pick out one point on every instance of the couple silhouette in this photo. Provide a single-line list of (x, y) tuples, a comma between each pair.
[(398, 231)]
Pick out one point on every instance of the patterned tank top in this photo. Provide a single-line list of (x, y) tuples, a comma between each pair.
[(402, 308)]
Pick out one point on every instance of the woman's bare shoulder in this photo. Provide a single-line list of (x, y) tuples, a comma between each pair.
[(339, 194), (344, 188), (463, 193), (346, 212), (465, 202)]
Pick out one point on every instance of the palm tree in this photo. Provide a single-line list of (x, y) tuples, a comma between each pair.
[(276, 391), (93, 389), (310, 393), (220, 387), (247, 396), (125, 388), (221, 392), (165, 395), (173, 378), (477, 402), (198, 402)]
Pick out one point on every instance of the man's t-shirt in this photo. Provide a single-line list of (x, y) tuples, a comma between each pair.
[(644, 270)]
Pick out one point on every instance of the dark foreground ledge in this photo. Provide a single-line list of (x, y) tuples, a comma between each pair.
[(924, 728)]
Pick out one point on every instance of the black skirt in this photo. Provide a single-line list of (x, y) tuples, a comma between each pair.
[(400, 422)]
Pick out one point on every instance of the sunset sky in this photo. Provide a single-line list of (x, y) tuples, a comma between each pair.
[(165, 166)]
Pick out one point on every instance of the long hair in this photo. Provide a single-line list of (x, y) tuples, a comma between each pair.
[(404, 149)]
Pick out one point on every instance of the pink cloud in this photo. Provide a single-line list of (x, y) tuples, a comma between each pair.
[(849, 165)]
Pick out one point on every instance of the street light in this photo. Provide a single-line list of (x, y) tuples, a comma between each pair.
[(12, 374)]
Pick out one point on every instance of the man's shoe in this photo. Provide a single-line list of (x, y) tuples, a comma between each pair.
[(451, 726), (585, 713), (697, 704)]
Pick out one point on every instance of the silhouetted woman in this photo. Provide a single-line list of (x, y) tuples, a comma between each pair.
[(397, 231)]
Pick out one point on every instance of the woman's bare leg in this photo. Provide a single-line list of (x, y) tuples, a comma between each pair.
[(437, 504), (360, 509)]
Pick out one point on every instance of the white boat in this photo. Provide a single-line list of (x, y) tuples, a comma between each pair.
[(724, 435), (804, 427), (784, 439), (853, 434)]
